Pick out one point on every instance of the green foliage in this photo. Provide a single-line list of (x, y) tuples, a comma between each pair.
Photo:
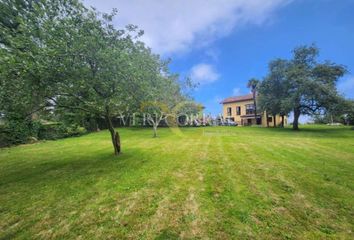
[(60, 55), (272, 90), (253, 84), (18, 132), (188, 108), (59, 130), (341, 111), (301, 84)]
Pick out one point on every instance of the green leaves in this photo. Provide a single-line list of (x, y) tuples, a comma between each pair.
[(65, 55), (301, 84)]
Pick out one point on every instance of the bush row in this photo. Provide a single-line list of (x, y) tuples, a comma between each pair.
[(14, 133)]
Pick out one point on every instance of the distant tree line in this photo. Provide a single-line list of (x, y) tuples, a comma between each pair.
[(303, 85), (61, 61)]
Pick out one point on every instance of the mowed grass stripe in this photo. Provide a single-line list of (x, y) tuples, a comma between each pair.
[(192, 183)]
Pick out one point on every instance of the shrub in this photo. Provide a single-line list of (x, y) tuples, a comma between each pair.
[(53, 131), (18, 132)]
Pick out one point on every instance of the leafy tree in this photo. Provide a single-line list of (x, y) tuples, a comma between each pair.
[(161, 98), (186, 111), (302, 84), (61, 55), (311, 86), (349, 114), (272, 91), (25, 58), (113, 71), (341, 111), (155, 112)]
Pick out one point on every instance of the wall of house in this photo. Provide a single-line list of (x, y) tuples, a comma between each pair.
[(271, 123), (237, 118)]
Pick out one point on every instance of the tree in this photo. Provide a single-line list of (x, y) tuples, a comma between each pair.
[(112, 75), (26, 57), (161, 98), (155, 112), (341, 111), (253, 84), (268, 102), (311, 86), (302, 84), (272, 90), (349, 114), (187, 110), (61, 55)]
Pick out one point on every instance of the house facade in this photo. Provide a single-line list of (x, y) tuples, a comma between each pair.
[(241, 109)]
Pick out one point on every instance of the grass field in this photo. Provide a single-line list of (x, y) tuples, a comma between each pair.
[(214, 182)]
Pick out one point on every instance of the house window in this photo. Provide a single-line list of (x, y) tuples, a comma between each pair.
[(270, 119), (229, 111), (238, 110), (249, 109)]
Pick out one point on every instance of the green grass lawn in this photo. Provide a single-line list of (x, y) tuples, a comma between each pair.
[(214, 182)]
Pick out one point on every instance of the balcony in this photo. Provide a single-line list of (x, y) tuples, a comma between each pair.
[(249, 111)]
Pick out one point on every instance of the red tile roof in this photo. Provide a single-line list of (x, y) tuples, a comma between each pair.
[(238, 98)]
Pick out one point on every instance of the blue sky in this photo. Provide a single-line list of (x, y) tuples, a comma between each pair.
[(223, 43)]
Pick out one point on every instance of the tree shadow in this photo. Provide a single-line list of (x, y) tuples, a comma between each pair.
[(312, 131), (33, 173)]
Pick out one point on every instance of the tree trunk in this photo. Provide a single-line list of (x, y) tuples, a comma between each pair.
[(255, 105), (155, 130), (267, 120), (274, 121), (282, 121), (114, 136), (296, 119)]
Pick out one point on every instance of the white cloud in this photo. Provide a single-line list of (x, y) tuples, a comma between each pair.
[(213, 54), (175, 25), (346, 87), (236, 92), (204, 73)]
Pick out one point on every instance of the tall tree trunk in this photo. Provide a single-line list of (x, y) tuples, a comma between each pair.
[(255, 105), (267, 119), (274, 120), (282, 120), (114, 136), (155, 130), (296, 119)]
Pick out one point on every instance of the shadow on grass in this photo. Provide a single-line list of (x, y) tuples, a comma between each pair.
[(308, 131), (73, 168)]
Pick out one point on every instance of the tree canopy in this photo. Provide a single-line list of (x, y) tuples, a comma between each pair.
[(302, 84), (61, 55)]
